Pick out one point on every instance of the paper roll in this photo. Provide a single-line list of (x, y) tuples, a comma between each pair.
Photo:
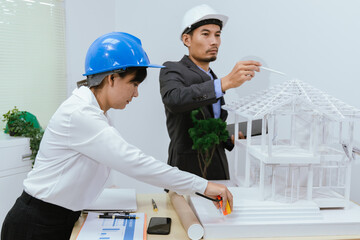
[(187, 217)]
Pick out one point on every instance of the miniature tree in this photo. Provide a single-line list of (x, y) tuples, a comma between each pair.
[(206, 135)]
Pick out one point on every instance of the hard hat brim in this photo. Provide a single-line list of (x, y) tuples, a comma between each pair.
[(124, 67), (97, 78), (155, 66)]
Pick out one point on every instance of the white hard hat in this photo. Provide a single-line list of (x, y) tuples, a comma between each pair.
[(200, 13)]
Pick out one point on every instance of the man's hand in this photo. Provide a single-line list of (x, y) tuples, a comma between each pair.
[(241, 136), (243, 71), (215, 189)]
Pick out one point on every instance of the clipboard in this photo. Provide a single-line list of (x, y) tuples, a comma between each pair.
[(114, 200)]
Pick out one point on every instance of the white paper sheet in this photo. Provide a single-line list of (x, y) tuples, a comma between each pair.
[(96, 228), (115, 200)]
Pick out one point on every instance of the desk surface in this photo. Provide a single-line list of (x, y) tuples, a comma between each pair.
[(165, 209)]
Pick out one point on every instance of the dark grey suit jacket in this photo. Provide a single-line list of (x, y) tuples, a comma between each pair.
[(184, 87)]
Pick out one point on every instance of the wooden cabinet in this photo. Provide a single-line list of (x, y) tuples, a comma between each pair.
[(15, 164)]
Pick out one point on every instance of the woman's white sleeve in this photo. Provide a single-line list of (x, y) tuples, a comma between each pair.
[(91, 135)]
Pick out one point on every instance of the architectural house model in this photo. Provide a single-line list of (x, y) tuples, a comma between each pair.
[(294, 178), (303, 150)]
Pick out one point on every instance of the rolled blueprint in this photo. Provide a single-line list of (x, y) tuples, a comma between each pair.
[(187, 217)]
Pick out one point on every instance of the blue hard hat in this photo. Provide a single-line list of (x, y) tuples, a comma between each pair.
[(116, 50)]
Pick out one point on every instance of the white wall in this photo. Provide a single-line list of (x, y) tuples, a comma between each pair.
[(316, 41), (84, 22)]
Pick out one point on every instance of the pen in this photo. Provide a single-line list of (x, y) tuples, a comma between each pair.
[(155, 208), (218, 199), (220, 203), (117, 217), (272, 70)]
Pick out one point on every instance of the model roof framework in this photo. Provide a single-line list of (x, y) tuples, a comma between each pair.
[(296, 92)]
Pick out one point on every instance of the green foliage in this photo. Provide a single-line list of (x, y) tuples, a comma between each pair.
[(22, 123), (206, 135)]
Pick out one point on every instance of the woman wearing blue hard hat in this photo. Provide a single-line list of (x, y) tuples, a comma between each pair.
[(80, 147)]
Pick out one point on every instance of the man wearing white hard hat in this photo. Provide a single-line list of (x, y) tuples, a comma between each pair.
[(191, 84)]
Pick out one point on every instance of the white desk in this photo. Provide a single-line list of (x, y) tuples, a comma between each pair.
[(177, 231), (13, 170)]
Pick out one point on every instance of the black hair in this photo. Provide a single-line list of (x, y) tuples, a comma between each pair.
[(191, 28), (140, 73)]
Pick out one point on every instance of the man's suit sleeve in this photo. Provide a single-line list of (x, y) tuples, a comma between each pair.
[(228, 145), (181, 90)]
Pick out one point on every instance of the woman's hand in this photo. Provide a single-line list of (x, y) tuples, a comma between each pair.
[(215, 189)]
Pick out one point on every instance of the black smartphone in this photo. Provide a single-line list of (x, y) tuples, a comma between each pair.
[(159, 225)]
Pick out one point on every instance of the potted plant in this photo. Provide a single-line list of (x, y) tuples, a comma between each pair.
[(206, 135), (25, 124)]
